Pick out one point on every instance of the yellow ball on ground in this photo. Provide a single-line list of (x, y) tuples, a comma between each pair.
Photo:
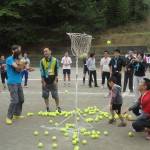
[(66, 91), (40, 145)]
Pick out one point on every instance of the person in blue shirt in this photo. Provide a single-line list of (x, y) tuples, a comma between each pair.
[(14, 68)]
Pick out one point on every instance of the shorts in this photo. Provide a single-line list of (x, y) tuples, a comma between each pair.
[(50, 88), (66, 71), (3, 77), (85, 70), (117, 108)]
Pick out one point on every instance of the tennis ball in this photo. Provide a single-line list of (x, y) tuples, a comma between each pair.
[(105, 133), (40, 145), (56, 124), (66, 91), (54, 145), (130, 134), (77, 148), (84, 142), (46, 133), (108, 42), (74, 142), (54, 138), (28, 114), (35, 133), (93, 136), (84, 55), (66, 134), (51, 121)]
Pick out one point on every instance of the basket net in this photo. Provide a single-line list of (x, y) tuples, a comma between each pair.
[(80, 43)]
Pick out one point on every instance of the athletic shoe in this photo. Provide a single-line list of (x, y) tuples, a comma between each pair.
[(18, 117), (124, 91), (4, 88), (25, 86), (108, 95), (47, 109), (148, 136), (8, 121), (59, 109), (131, 91), (112, 121), (96, 86), (69, 84), (122, 125), (64, 85), (102, 87)]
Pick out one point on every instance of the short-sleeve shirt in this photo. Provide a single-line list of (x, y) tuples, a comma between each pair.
[(117, 64), (66, 60), (14, 77), (105, 63)]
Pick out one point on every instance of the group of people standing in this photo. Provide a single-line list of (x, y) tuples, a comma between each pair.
[(132, 66)]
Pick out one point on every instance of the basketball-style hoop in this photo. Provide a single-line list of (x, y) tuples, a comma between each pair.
[(80, 43)]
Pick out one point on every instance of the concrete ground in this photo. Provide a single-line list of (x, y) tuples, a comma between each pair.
[(19, 135)]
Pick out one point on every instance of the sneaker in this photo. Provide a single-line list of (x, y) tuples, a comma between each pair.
[(124, 91), (108, 95), (64, 85), (131, 91), (25, 86), (4, 88), (59, 109), (96, 86), (47, 109), (8, 121), (122, 125), (69, 84), (112, 121), (148, 136), (18, 117)]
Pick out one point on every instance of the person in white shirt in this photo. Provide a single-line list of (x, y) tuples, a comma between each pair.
[(66, 61), (148, 62), (25, 72), (104, 67), (92, 70)]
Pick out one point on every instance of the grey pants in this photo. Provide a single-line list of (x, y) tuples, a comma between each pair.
[(17, 99)]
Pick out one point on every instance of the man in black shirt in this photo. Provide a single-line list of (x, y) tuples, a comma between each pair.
[(129, 70), (116, 66)]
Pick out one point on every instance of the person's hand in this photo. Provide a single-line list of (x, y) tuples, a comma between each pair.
[(43, 84), (30, 69), (55, 83), (127, 110)]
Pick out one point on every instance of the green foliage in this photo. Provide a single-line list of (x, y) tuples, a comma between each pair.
[(47, 21)]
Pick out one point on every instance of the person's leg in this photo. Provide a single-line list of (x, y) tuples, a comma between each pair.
[(103, 79), (125, 81), (54, 93), (136, 85), (45, 95), (3, 79), (64, 73), (131, 81), (18, 109), (84, 75), (90, 78), (111, 109), (95, 78), (26, 78), (69, 72)]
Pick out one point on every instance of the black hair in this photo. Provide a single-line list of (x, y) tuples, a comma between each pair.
[(113, 79), (14, 47), (16, 54), (106, 52), (142, 55), (147, 83), (92, 54), (117, 50)]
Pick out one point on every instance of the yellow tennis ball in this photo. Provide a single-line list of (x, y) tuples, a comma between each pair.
[(108, 42)]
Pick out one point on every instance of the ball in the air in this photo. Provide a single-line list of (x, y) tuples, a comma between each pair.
[(108, 42)]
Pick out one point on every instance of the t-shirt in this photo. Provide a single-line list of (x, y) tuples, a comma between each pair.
[(66, 61), (14, 77), (145, 103), (105, 63), (26, 60), (117, 64), (91, 64), (148, 60)]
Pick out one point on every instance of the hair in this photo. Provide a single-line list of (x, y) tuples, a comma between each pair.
[(14, 47), (92, 54), (142, 55), (117, 50), (26, 53), (147, 83), (106, 52), (113, 79), (16, 54)]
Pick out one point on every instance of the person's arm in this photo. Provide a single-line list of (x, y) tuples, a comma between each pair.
[(88, 63), (56, 72), (135, 105), (19, 67), (110, 67), (101, 67), (42, 74), (70, 61), (142, 116)]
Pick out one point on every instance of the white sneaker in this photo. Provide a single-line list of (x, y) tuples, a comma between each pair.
[(64, 85), (102, 87)]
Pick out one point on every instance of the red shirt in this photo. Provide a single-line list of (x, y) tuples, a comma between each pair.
[(145, 102)]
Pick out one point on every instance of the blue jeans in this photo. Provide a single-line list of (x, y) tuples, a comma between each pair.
[(25, 73)]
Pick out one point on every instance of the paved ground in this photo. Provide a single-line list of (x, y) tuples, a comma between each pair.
[(19, 136)]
